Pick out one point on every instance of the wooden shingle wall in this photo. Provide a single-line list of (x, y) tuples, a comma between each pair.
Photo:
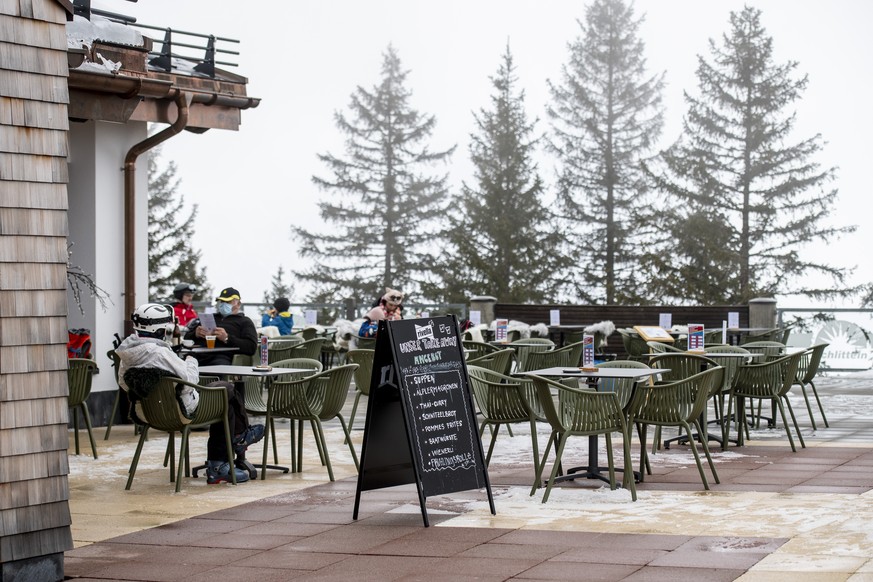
[(34, 510)]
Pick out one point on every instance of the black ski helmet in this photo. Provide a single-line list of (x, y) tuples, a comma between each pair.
[(183, 288)]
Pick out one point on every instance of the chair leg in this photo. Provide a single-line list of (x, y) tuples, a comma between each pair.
[(75, 414), (349, 440), (705, 442), (319, 442), (183, 452), (132, 471), (794, 421), (785, 424), (269, 433), (808, 407), (628, 478), (534, 444), (642, 429), (696, 454), (818, 401), (491, 444), (610, 461), (316, 428), (112, 416), (87, 418), (542, 465), (558, 453), (354, 410)]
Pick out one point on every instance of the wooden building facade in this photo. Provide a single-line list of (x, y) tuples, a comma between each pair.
[(34, 509), (66, 127)]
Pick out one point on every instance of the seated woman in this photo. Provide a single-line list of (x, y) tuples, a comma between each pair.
[(389, 308), (279, 316)]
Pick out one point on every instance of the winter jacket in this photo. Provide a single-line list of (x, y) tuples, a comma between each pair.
[(143, 352), (284, 321)]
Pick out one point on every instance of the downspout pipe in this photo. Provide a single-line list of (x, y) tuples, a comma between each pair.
[(182, 100)]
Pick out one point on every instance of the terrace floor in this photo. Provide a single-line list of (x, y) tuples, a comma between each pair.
[(776, 515)]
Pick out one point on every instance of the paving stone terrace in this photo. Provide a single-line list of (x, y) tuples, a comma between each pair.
[(776, 515)]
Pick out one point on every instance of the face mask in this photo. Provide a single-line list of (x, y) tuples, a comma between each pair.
[(225, 309)]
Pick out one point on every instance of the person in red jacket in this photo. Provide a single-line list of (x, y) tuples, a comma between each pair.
[(185, 314)]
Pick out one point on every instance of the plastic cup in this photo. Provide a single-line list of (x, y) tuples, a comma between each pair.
[(210, 341)]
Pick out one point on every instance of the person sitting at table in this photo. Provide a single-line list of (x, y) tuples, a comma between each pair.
[(389, 308), (233, 329), (279, 316), (185, 313), (145, 356)]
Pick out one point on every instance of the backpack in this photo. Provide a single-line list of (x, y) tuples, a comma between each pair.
[(79, 343)]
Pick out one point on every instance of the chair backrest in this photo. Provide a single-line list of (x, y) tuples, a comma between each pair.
[(783, 333), (278, 352), (635, 346), (656, 347), (675, 402), (364, 373), (313, 365), (681, 366), (499, 397), (712, 337), (808, 366), (730, 365), (479, 348), (623, 387), (770, 349), (310, 348), (309, 333), (579, 410), (80, 375), (499, 361), (365, 343), (771, 379), (527, 346), (321, 395), (161, 409), (575, 351), (767, 335)]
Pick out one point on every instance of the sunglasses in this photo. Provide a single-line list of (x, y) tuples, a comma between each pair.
[(395, 297)]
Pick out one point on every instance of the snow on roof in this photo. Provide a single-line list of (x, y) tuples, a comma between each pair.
[(83, 32)]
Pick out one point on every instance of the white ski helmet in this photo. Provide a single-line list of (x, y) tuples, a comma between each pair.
[(154, 320)]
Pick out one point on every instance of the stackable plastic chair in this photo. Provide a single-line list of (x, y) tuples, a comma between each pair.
[(502, 400), (807, 369), (581, 412), (678, 404), (768, 381), (80, 374), (316, 399), (161, 411)]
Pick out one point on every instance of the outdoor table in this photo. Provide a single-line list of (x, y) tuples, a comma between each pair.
[(226, 371), (593, 470), (205, 350)]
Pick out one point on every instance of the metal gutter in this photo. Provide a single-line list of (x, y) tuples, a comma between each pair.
[(183, 100)]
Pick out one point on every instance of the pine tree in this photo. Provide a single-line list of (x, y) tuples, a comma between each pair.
[(383, 203), (172, 259), (278, 287), (743, 198), (606, 116), (501, 243)]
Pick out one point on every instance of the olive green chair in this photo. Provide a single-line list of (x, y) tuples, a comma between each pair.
[(499, 361), (574, 412), (317, 399), (525, 347), (502, 400), (80, 374), (768, 381), (161, 411), (807, 370), (678, 404), (363, 376)]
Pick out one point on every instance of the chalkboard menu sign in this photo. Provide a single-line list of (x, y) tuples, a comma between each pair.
[(421, 423)]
